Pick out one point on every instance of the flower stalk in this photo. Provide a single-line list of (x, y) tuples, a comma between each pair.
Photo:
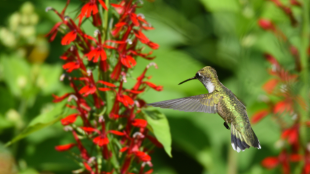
[(119, 133)]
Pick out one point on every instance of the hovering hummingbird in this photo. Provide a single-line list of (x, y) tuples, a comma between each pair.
[(219, 100)]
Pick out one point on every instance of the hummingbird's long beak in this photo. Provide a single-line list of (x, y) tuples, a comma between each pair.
[(188, 80)]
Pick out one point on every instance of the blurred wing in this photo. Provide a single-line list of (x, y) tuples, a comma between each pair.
[(200, 103)]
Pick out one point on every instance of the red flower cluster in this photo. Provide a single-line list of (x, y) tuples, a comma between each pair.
[(117, 133), (285, 101)]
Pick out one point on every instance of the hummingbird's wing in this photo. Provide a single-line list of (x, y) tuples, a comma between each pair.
[(200, 103)]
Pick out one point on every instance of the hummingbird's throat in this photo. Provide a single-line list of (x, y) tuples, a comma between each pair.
[(210, 86)]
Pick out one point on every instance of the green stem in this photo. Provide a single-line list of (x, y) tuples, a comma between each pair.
[(232, 161), (106, 21)]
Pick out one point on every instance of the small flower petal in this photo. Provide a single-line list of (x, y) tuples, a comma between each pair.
[(64, 147), (101, 141), (139, 123), (270, 162), (69, 119)]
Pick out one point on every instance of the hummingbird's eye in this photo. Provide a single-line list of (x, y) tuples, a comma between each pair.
[(197, 75)]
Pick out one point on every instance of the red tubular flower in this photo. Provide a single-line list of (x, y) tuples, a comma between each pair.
[(87, 90), (145, 40), (270, 85), (270, 162), (69, 119), (64, 147), (106, 83), (68, 38), (70, 66), (143, 156), (89, 9), (128, 61), (139, 123), (52, 34), (282, 106), (266, 24), (101, 140), (291, 135), (152, 85), (117, 132), (87, 167), (95, 54), (117, 71), (61, 98), (123, 149), (125, 99), (89, 129), (259, 115)]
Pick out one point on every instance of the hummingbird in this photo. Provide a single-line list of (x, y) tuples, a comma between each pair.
[(219, 100)]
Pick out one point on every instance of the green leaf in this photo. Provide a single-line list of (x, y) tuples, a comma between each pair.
[(160, 127), (43, 120), (16, 72)]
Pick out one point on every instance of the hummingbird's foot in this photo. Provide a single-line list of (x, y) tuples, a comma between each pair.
[(226, 125)]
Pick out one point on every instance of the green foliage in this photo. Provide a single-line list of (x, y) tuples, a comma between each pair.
[(160, 127), (49, 117)]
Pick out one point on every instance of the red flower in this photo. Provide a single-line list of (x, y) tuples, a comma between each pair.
[(134, 19), (152, 85), (61, 98), (88, 89), (272, 60), (270, 85), (128, 61), (282, 106), (89, 129), (125, 99), (101, 141), (291, 134), (259, 115), (143, 156), (149, 171), (69, 119), (266, 24), (117, 132), (90, 8), (139, 123), (296, 157), (53, 31), (123, 149), (87, 167), (117, 71), (106, 83), (70, 66), (145, 40), (64, 147), (96, 53), (68, 38), (270, 162)]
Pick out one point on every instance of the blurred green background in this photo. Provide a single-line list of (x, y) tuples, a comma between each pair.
[(191, 34)]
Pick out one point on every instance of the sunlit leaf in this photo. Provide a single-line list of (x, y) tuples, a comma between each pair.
[(160, 127)]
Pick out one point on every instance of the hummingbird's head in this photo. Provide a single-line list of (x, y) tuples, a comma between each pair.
[(205, 75)]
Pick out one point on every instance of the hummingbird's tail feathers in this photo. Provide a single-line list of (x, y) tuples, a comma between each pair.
[(240, 142), (199, 103)]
